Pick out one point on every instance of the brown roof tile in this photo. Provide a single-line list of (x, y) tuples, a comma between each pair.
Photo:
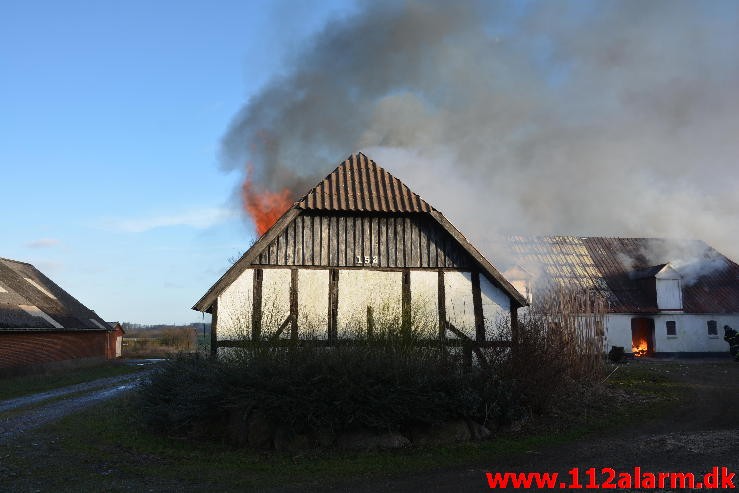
[(360, 185)]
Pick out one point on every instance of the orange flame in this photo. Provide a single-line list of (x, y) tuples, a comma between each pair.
[(265, 207), (639, 349)]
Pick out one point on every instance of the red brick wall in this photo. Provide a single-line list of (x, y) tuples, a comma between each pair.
[(33, 348), (113, 341)]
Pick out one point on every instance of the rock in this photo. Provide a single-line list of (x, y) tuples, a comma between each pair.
[(364, 441), (287, 441), (324, 438), (237, 426), (478, 431), (260, 431), (250, 428), (449, 432)]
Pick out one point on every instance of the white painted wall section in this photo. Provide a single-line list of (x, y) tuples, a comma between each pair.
[(669, 294), (691, 332), (425, 303), (459, 309), (313, 304), (275, 301), (359, 289), (496, 309), (234, 308)]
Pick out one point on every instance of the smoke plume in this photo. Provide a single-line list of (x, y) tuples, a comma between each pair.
[(614, 118)]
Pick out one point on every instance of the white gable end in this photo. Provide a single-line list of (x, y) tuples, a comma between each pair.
[(669, 289)]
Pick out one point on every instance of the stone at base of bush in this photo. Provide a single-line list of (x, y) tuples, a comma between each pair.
[(237, 431), (260, 430), (286, 441), (478, 431), (449, 432), (250, 428), (366, 441), (325, 438)]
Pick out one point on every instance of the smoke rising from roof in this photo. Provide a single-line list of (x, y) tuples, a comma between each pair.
[(611, 118)]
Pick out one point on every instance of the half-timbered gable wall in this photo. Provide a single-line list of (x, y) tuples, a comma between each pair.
[(366, 240), (377, 260), (361, 252)]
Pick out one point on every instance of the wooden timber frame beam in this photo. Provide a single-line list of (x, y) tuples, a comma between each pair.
[(441, 293), (333, 306), (477, 308), (406, 305), (293, 305), (469, 346), (256, 307), (431, 343), (214, 331)]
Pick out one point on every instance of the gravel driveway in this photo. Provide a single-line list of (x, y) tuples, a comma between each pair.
[(29, 412)]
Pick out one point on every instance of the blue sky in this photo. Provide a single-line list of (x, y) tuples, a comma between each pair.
[(610, 118), (111, 115)]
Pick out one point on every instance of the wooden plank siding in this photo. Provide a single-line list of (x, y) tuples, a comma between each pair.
[(366, 240)]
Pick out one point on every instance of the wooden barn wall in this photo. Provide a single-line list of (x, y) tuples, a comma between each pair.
[(379, 241)]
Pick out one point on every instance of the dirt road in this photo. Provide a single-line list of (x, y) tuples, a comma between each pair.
[(26, 413)]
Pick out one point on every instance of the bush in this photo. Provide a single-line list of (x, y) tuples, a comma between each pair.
[(391, 384), (386, 388)]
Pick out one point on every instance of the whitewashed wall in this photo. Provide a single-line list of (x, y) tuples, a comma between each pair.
[(496, 309), (313, 303), (275, 301), (425, 303), (669, 294), (359, 289), (691, 330), (234, 308), (459, 309)]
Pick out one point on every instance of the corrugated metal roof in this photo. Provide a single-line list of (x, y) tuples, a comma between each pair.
[(617, 268), (360, 185), (25, 286)]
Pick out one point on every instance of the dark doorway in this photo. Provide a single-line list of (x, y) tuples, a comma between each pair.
[(642, 337)]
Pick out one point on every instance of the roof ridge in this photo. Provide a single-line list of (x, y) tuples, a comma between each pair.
[(584, 237), (17, 261), (359, 184)]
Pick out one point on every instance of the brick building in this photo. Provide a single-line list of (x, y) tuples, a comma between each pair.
[(40, 323)]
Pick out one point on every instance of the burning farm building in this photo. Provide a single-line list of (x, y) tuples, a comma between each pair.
[(359, 252), (669, 297)]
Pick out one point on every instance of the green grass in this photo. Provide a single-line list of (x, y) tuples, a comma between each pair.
[(30, 384), (108, 434), (106, 450)]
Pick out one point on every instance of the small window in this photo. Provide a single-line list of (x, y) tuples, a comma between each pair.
[(671, 328), (712, 328)]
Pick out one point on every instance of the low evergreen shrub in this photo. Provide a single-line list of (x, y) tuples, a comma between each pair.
[(386, 388)]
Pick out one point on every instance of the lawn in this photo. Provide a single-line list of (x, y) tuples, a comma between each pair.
[(104, 449)]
